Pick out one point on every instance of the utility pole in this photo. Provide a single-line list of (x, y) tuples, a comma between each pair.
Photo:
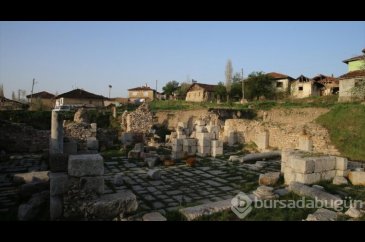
[(243, 86), (110, 88), (31, 94), (156, 85)]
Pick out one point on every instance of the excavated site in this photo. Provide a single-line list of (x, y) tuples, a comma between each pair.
[(191, 163)]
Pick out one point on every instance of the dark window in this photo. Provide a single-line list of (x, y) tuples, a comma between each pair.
[(279, 84), (300, 88)]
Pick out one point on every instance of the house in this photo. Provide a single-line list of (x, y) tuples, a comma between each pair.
[(281, 82), (199, 92), (304, 87), (42, 100), (141, 94), (347, 82), (329, 84), (8, 104), (80, 97), (354, 77), (356, 63)]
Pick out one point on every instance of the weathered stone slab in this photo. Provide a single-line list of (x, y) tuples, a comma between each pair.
[(85, 165), (113, 205), (344, 173), (305, 143), (341, 163), (34, 176), (192, 213), (322, 214), (302, 165), (269, 179), (325, 197), (93, 183), (154, 216), (154, 174), (328, 175), (70, 148), (357, 177), (324, 163), (261, 156), (262, 140), (28, 189), (118, 180), (340, 180)]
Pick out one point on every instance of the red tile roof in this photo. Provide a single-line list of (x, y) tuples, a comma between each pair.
[(324, 78), (353, 74), (354, 59), (44, 94), (79, 93), (144, 88), (207, 87), (276, 75)]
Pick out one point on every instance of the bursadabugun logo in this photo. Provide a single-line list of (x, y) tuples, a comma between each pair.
[(241, 205)]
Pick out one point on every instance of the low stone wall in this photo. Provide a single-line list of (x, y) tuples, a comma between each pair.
[(285, 128), (17, 137), (298, 166)]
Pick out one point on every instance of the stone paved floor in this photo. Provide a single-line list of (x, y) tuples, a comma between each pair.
[(8, 190), (182, 186)]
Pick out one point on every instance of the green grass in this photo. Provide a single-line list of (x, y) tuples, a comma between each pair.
[(107, 154), (324, 102), (346, 125), (355, 192)]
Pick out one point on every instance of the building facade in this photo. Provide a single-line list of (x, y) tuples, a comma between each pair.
[(199, 92)]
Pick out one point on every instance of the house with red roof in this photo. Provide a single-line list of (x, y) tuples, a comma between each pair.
[(199, 92)]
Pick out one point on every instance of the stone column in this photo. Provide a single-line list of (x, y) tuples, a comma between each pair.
[(56, 143), (263, 140), (114, 110), (305, 143)]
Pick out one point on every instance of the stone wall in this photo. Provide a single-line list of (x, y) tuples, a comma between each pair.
[(141, 120), (297, 166), (285, 127), (17, 137)]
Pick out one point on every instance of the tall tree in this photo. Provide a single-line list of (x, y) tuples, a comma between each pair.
[(13, 97), (170, 87), (1, 90), (220, 91), (183, 88), (228, 74), (259, 84)]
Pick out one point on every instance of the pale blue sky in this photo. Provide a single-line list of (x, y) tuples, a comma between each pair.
[(92, 55)]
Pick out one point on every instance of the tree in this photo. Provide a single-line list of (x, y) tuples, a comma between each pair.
[(259, 84), (220, 91), (13, 97), (182, 89), (170, 87), (1, 90), (228, 74), (236, 89)]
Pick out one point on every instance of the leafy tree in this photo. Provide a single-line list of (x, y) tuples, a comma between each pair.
[(236, 90), (220, 91), (228, 75), (1, 90), (182, 89), (258, 84), (170, 87)]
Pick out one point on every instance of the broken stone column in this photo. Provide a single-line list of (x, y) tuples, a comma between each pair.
[(305, 143), (58, 186), (262, 140), (56, 142), (114, 111), (217, 148)]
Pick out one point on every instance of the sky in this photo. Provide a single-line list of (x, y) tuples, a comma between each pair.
[(62, 56)]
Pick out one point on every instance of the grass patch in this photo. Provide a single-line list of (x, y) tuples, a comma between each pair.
[(174, 215), (355, 192), (346, 125), (107, 154)]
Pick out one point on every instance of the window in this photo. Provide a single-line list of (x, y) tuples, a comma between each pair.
[(300, 88), (279, 84)]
